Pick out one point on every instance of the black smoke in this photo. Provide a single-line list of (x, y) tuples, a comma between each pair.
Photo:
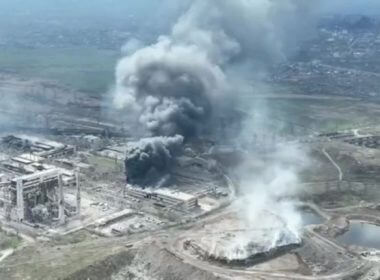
[(150, 158)]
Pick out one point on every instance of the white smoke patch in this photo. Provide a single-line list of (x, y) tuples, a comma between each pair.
[(177, 84), (271, 186), (131, 46)]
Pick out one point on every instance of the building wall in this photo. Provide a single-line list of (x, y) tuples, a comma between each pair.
[(166, 200)]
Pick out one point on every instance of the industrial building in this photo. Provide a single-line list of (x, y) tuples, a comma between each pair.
[(37, 198), (31, 187), (165, 197), (38, 147)]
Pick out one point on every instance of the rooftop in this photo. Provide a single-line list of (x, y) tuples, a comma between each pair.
[(174, 194), (166, 192)]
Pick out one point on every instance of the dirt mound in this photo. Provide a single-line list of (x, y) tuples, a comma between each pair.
[(104, 269), (150, 262), (155, 263)]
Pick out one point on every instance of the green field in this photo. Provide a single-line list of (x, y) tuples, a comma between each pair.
[(84, 69), (8, 241), (304, 114)]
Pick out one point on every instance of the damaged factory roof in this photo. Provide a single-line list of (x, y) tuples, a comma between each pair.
[(174, 194)]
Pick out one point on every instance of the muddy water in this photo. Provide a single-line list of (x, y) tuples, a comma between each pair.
[(362, 234)]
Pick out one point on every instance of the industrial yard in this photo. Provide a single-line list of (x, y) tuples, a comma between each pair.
[(166, 172), (59, 187)]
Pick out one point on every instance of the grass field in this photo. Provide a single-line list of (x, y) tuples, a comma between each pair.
[(8, 241), (285, 114), (84, 69)]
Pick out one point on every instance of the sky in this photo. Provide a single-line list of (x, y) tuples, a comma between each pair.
[(145, 10), (151, 16), (157, 13)]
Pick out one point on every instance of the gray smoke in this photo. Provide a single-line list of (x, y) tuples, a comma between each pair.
[(189, 78), (151, 157), (178, 84), (170, 86)]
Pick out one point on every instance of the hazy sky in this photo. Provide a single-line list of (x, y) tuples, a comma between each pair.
[(104, 8), (144, 9), (151, 16), (144, 4), (159, 13)]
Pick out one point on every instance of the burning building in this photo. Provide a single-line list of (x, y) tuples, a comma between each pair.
[(150, 158)]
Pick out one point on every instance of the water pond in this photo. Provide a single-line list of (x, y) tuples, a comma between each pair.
[(362, 234)]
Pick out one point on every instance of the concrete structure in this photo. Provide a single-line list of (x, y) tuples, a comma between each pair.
[(78, 192), (37, 189), (32, 187), (37, 198), (31, 164), (165, 197)]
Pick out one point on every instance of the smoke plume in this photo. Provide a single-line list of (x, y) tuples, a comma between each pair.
[(185, 82), (150, 157), (179, 84), (272, 181)]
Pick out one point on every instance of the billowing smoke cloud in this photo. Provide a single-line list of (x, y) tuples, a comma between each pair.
[(275, 182), (171, 86), (268, 217), (178, 84), (150, 157), (188, 79)]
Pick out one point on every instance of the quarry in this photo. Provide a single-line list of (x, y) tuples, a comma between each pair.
[(199, 153)]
